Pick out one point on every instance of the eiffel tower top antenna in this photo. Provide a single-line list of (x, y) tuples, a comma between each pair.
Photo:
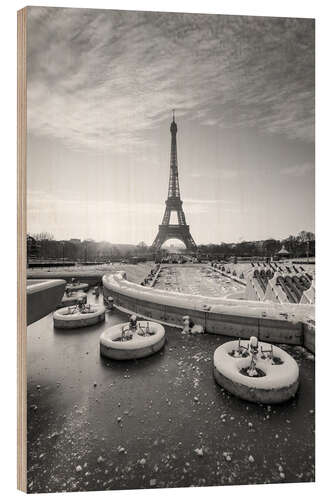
[(173, 115)]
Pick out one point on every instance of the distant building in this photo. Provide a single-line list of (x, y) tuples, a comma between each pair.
[(282, 254), (76, 241), (32, 247)]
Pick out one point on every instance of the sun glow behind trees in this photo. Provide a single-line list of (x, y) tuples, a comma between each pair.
[(44, 246)]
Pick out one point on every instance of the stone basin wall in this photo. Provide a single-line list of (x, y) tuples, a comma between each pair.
[(92, 279), (310, 337), (233, 325), (43, 296)]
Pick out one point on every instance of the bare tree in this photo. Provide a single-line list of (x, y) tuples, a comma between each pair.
[(43, 236)]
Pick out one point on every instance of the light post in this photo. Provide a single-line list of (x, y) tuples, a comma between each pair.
[(63, 251)]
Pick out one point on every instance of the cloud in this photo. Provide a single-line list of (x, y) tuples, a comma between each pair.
[(40, 201), (205, 201), (201, 206), (298, 170), (219, 173), (103, 79)]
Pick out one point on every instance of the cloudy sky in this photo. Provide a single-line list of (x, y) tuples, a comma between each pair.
[(101, 87)]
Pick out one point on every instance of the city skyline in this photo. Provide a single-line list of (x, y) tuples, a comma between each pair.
[(99, 114)]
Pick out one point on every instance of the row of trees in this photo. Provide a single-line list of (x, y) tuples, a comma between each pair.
[(43, 246), (301, 245)]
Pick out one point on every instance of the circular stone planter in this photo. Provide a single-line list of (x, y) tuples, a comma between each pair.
[(72, 300), (71, 317), (278, 383), (139, 346), (77, 286)]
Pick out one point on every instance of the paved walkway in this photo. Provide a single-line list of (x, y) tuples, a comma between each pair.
[(197, 280)]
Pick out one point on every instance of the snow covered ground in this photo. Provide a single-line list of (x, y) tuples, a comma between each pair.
[(197, 280)]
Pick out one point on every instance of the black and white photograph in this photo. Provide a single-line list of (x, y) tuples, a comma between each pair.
[(169, 250)]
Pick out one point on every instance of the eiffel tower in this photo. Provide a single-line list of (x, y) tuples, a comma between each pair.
[(180, 231)]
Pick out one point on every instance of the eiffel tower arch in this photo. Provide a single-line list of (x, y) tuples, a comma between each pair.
[(181, 231)]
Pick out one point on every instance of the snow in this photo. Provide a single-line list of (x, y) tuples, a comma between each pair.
[(137, 342), (77, 286), (295, 312), (197, 280), (194, 329), (274, 291), (197, 329), (34, 286), (253, 289), (73, 298), (199, 452), (277, 376), (65, 315), (309, 295)]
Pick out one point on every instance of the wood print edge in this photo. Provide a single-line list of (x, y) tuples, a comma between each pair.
[(21, 252)]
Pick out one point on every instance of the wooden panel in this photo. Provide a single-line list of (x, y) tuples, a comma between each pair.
[(21, 252)]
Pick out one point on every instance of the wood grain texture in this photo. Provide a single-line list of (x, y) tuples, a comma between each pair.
[(21, 250)]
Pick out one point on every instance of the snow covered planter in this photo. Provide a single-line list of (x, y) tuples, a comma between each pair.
[(108, 302), (78, 316), (125, 342), (257, 372), (75, 286), (73, 298)]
